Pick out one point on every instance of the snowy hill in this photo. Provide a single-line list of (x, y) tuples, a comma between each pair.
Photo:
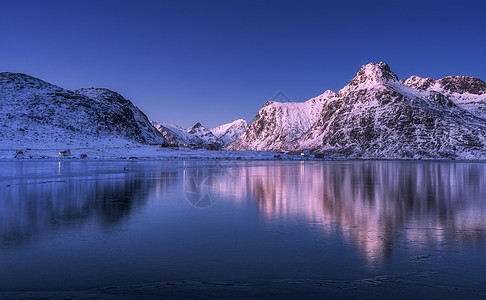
[(34, 113), (277, 124), (228, 133), (378, 116)]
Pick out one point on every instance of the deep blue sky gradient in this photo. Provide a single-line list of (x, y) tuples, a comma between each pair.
[(216, 61)]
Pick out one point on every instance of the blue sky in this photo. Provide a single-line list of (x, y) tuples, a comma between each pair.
[(216, 61)]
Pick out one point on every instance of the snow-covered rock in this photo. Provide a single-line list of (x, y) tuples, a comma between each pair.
[(378, 116), (203, 134), (467, 92), (228, 133), (175, 134), (34, 113), (277, 124), (197, 134)]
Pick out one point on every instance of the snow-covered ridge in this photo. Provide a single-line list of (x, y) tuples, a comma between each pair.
[(35, 113), (378, 116), (278, 124), (228, 133), (375, 116), (467, 92), (370, 76), (202, 133), (174, 134), (201, 136)]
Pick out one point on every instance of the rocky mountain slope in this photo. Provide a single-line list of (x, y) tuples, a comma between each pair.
[(277, 124), (467, 92), (378, 116), (203, 133), (174, 134), (34, 113), (228, 133)]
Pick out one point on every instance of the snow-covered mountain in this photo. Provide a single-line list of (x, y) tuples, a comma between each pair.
[(201, 136), (197, 134), (34, 113), (228, 133), (175, 134), (378, 116), (467, 92), (277, 124), (203, 133)]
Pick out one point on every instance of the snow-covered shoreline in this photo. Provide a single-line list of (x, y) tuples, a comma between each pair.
[(140, 152), (150, 152)]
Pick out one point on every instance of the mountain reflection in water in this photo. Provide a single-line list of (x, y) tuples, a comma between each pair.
[(376, 206), (38, 197)]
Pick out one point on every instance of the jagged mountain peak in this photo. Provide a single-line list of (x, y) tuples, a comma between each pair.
[(195, 126), (370, 75), (376, 115), (202, 133), (201, 136)]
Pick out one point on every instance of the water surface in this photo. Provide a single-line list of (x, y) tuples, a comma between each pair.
[(373, 228)]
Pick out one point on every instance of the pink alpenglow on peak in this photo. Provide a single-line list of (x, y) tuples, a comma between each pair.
[(378, 116)]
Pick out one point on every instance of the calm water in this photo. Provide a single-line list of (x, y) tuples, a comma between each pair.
[(357, 227)]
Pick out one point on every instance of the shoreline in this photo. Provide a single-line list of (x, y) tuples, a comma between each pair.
[(150, 152)]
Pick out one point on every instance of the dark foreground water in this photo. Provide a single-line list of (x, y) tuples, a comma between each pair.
[(251, 229)]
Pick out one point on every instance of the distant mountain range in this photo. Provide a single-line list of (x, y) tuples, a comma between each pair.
[(375, 116), (379, 116), (200, 136), (35, 113)]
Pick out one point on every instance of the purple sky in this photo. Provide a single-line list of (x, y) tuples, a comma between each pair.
[(216, 61)]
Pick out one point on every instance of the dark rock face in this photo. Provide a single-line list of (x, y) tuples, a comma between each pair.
[(396, 127), (467, 92), (451, 84), (463, 84), (46, 111)]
